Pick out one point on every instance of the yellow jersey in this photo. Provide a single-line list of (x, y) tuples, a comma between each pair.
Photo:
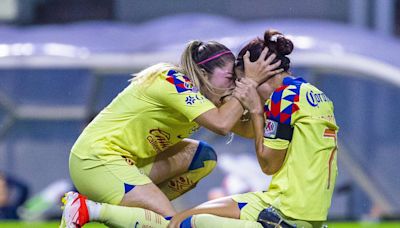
[(302, 188), (144, 119)]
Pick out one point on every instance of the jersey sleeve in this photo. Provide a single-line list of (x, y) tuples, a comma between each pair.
[(280, 109), (277, 144), (175, 90)]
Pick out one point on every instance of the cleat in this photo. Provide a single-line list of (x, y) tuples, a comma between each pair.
[(75, 213), (269, 218)]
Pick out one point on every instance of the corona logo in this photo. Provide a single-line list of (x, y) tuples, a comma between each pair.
[(315, 98)]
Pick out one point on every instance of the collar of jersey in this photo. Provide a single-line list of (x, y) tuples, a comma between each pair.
[(291, 80)]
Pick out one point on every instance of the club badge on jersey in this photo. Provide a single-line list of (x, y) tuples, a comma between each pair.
[(181, 82)]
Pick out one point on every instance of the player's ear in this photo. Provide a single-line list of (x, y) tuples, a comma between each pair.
[(204, 73)]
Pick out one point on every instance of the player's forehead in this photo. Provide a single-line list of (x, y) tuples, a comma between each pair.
[(227, 68)]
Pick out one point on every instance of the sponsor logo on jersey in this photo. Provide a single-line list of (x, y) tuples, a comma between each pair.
[(314, 99), (270, 129), (191, 99), (159, 139), (130, 161), (180, 184)]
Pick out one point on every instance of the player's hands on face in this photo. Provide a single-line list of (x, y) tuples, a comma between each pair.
[(262, 69), (246, 93)]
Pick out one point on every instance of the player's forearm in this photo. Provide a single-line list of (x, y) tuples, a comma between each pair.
[(244, 129), (258, 128), (221, 120), (230, 113)]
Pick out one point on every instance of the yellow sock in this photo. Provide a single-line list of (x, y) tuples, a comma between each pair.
[(179, 185), (120, 216), (206, 220)]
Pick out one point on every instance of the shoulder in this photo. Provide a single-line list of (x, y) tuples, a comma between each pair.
[(312, 96), (290, 90), (284, 100), (181, 82)]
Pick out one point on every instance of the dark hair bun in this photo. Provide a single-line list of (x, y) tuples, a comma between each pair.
[(283, 45)]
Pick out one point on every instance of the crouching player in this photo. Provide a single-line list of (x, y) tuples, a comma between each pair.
[(296, 143)]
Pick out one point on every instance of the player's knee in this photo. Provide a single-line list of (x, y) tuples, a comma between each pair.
[(205, 157)]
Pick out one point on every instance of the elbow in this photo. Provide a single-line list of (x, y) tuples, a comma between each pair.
[(267, 166), (268, 170), (222, 128), (222, 131)]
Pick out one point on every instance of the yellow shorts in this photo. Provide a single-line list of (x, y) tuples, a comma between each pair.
[(253, 204), (108, 181)]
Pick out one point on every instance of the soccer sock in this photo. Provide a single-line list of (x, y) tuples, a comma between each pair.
[(203, 162), (94, 209), (177, 186), (121, 216), (207, 220)]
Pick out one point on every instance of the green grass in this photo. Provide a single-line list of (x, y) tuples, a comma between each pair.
[(96, 225), (42, 225), (364, 225)]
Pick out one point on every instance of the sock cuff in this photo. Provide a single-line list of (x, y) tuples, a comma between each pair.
[(94, 210), (187, 223)]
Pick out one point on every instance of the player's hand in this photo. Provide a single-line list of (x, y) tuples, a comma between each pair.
[(262, 69), (246, 93)]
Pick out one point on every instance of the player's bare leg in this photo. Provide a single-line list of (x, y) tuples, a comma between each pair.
[(223, 212), (224, 207), (173, 161), (178, 169), (150, 197)]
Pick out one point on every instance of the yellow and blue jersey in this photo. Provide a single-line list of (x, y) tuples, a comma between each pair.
[(303, 187), (144, 119)]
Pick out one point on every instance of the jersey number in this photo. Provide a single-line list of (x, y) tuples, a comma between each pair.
[(331, 134)]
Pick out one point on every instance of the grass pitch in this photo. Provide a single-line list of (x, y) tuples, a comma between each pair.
[(53, 224)]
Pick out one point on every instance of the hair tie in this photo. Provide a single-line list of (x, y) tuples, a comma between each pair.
[(275, 37)]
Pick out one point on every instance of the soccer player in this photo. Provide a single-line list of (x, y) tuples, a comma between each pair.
[(136, 152), (295, 142)]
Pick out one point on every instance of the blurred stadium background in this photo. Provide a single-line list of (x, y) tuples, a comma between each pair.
[(61, 61)]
